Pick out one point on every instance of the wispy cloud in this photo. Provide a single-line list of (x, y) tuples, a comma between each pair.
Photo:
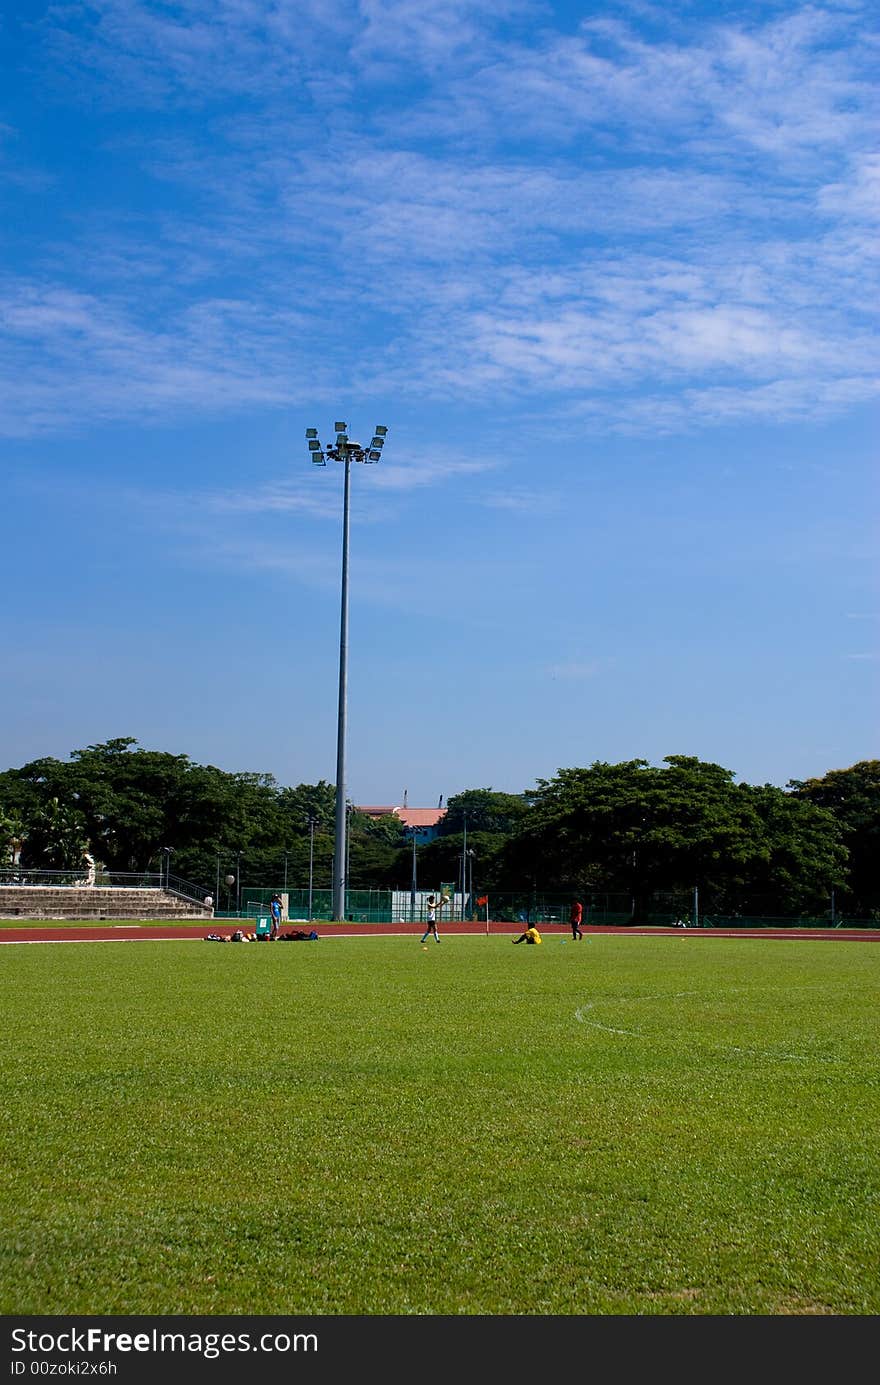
[(688, 237), (857, 198), (148, 52), (310, 493), (523, 500), (578, 672)]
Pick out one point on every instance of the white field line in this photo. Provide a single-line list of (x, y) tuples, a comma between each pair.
[(580, 1015), (594, 1024)]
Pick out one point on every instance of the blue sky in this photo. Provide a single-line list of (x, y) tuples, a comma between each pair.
[(607, 273)]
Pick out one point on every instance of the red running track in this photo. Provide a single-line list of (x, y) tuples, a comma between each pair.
[(128, 932)]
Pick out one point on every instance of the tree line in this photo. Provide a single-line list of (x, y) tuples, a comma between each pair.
[(631, 828)]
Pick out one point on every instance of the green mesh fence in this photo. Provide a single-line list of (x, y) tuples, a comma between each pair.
[(361, 906), (599, 908), (527, 906)]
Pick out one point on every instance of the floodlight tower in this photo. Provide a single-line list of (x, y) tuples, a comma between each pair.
[(345, 451)]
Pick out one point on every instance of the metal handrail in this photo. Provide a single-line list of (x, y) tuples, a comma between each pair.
[(175, 884), (106, 880)]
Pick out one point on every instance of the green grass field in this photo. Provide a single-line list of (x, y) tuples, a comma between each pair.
[(629, 1125)]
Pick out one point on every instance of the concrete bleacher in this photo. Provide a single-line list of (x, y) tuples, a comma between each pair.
[(96, 902)]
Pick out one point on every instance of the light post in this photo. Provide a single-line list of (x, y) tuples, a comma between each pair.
[(348, 808), (238, 885), (285, 872), (414, 883), (345, 451), (311, 861), (167, 850), (217, 890), (463, 863), (470, 857)]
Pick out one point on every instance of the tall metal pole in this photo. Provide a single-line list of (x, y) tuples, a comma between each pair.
[(341, 824), (311, 862), (463, 864), (413, 887), (347, 909)]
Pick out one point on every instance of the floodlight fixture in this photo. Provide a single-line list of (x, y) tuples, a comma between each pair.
[(340, 427), (372, 456), (378, 442), (380, 430), (315, 450)]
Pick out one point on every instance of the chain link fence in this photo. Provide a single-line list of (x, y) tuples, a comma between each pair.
[(601, 908)]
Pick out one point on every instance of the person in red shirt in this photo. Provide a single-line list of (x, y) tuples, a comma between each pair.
[(575, 917)]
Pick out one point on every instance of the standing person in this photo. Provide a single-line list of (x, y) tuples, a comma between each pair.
[(531, 935), (574, 918), (432, 919), (275, 911)]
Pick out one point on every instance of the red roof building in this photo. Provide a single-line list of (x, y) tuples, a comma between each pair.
[(424, 822)]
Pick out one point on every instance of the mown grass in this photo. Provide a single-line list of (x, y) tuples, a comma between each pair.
[(630, 1125)]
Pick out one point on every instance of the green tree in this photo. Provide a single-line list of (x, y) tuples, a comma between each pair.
[(55, 838), (486, 811), (800, 859), (853, 796), (12, 835), (440, 859), (641, 829), (128, 797), (306, 801)]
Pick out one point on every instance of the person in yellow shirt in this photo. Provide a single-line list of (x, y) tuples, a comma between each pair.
[(531, 935)]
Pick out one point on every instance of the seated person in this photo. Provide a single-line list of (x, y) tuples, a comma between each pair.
[(531, 935)]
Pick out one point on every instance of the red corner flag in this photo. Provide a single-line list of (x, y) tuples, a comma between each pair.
[(483, 899)]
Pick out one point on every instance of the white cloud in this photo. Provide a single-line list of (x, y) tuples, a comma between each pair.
[(578, 672), (858, 197), (429, 34), (193, 50), (666, 232), (523, 500)]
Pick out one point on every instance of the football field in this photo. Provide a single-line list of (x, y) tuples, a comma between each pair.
[(627, 1125)]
